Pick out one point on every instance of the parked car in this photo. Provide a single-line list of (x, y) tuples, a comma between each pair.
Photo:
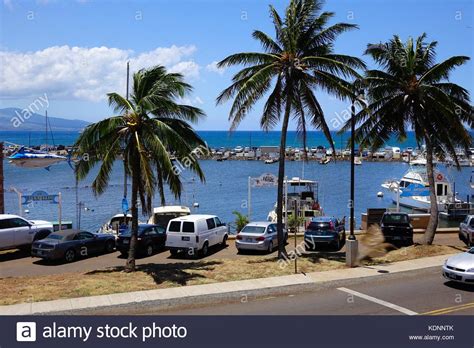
[(460, 267), (69, 245), (150, 238), (396, 228), (17, 232), (466, 230), (261, 236), (195, 233), (325, 231)]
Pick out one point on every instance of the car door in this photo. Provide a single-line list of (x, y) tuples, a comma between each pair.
[(221, 230), (7, 234), (148, 236), (24, 233), (211, 233), (272, 232), (160, 236), (87, 244)]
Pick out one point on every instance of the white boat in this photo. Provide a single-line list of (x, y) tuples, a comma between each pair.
[(162, 215), (421, 161), (32, 159), (325, 160), (303, 194), (357, 161), (271, 160), (418, 178), (117, 223)]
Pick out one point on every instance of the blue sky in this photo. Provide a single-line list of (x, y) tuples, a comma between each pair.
[(75, 51)]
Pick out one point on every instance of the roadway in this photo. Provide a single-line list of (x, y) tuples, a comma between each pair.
[(408, 293)]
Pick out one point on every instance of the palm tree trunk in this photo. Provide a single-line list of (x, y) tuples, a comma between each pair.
[(433, 222), (130, 265), (281, 177), (161, 189)]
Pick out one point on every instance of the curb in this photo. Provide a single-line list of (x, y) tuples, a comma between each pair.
[(169, 298)]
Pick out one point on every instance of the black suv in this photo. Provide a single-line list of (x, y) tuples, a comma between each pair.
[(397, 229)]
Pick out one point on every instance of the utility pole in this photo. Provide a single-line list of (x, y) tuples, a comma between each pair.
[(2, 197)]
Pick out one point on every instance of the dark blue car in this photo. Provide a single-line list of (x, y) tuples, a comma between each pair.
[(325, 231), (69, 245), (150, 239)]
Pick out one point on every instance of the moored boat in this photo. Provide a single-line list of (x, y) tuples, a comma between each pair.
[(412, 190), (302, 196)]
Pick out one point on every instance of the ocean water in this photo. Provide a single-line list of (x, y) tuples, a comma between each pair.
[(214, 139), (224, 191)]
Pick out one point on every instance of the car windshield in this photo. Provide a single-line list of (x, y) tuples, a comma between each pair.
[(253, 229), (395, 218), (319, 226), (128, 231)]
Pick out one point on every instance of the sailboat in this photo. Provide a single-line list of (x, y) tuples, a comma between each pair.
[(34, 159), (26, 157)]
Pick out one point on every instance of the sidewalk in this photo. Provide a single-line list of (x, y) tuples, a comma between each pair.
[(212, 293)]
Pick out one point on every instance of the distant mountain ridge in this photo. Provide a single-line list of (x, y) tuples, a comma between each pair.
[(9, 117)]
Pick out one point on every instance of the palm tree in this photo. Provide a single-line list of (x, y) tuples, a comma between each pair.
[(298, 60), (412, 91), (150, 126), (240, 220)]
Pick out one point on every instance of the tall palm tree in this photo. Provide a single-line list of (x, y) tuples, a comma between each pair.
[(299, 59), (412, 91), (150, 126)]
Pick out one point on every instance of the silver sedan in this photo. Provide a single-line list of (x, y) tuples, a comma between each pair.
[(460, 267), (258, 236)]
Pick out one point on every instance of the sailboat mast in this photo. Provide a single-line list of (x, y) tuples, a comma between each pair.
[(46, 130)]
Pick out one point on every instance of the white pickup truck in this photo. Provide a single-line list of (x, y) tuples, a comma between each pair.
[(466, 230), (17, 232)]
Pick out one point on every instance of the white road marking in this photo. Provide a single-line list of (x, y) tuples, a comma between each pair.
[(378, 301)]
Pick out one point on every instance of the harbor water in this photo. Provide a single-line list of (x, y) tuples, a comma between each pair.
[(225, 189)]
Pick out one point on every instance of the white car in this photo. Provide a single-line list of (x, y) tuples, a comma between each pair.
[(460, 267), (466, 230), (195, 234), (17, 232)]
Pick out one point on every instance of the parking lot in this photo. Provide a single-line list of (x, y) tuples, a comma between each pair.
[(17, 263)]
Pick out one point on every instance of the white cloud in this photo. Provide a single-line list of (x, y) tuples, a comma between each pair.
[(214, 68), (66, 72)]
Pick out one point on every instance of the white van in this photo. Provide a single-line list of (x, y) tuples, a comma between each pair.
[(195, 233)]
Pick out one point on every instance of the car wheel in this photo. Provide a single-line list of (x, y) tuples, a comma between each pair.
[(69, 255), (224, 241), (174, 252), (124, 253), (270, 248), (338, 244), (109, 246), (149, 250), (205, 249)]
